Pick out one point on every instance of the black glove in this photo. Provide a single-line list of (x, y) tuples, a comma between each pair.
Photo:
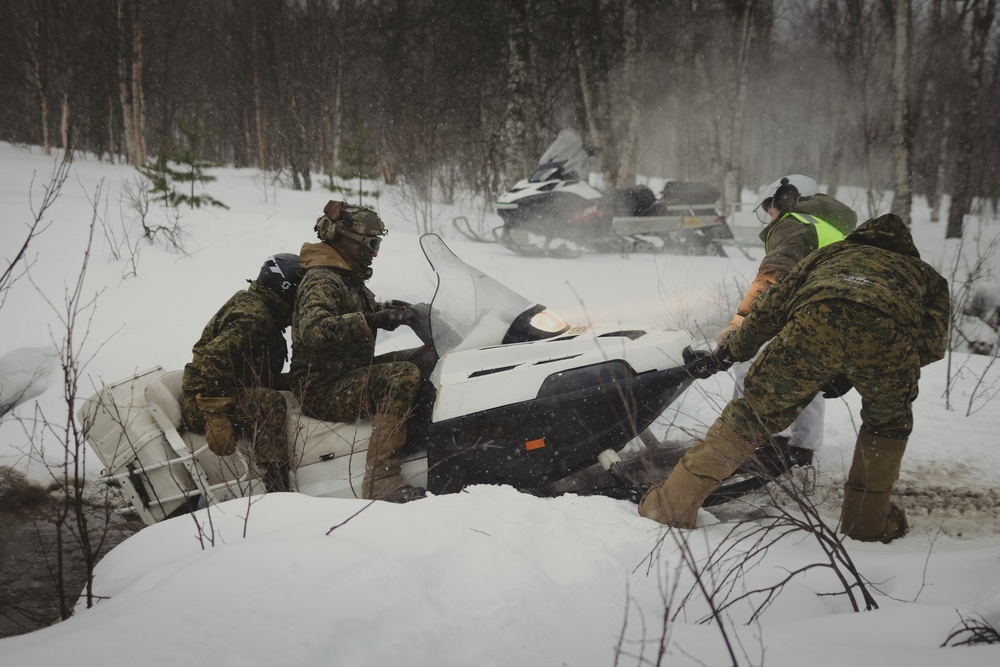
[(388, 319), (703, 364), (837, 387), (397, 303), (723, 358)]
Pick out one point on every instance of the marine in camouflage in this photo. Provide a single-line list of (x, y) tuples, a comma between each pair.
[(867, 309), (240, 354), (334, 369)]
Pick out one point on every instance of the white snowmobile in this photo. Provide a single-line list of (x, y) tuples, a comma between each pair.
[(517, 396), (555, 211)]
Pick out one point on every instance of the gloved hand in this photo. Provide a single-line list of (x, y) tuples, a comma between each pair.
[(837, 387), (705, 364), (397, 303), (219, 432), (731, 328), (723, 358), (387, 318)]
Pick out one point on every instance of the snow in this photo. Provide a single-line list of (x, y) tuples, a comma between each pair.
[(25, 373), (488, 576)]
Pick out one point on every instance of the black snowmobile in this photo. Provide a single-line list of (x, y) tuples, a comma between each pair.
[(555, 211)]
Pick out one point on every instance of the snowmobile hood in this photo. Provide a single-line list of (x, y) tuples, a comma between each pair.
[(888, 232)]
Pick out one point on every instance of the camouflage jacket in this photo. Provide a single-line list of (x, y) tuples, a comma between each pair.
[(330, 336), (242, 345), (788, 240), (878, 266)]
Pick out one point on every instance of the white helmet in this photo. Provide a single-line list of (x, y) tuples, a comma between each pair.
[(785, 192)]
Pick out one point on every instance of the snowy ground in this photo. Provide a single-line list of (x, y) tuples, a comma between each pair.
[(489, 576)]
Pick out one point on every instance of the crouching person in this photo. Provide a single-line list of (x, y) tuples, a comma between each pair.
[(334, 367), (231, 387), (865, 312)]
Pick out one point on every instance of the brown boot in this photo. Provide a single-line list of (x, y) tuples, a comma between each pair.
[(382, 466), (675, 501), (868, 514), (721, 452)]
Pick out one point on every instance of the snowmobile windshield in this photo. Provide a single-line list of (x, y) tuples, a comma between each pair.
[(471, 310), (565, 159)]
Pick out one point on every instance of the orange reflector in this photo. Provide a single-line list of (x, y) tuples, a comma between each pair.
[(534, 444)]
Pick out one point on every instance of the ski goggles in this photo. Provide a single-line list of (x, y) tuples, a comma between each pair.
[(373, 243)]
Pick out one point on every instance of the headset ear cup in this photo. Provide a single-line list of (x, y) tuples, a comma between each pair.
[(785, 197)]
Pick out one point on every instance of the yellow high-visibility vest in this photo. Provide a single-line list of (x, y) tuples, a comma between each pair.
[(825, 232)]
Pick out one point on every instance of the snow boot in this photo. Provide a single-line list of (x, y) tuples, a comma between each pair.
[(675, 501), (868, 514), (383, 463)]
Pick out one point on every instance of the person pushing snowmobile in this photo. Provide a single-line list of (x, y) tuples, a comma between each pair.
[(866, 313)]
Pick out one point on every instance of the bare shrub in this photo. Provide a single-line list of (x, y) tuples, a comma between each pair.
[(972, 630), (18, 492)]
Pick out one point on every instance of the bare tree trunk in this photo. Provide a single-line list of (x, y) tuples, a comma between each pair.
[(732, 146), (124, 98), (592, 72), (138, 97), (130, 95), (901, 138), (942, 169), (519, 103), (112, 139), (592, 134), (40, 78), (64, 130), (258, 101), (628, 139), (335, 117), (964, 182), (837, 155)]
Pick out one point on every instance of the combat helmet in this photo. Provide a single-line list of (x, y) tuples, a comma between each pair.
[(783, 194), (358, 223), (281, 274)]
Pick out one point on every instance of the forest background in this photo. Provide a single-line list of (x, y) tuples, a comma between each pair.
[(452, 96)]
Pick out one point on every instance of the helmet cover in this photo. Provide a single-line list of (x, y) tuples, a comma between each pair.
[(352, 221)]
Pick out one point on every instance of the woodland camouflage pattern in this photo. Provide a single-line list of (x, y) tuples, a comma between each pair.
[(240, 354), (867, 308), (334, 368)]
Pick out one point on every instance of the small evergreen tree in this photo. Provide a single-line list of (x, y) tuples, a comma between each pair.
[(356, 165), (189, 170)]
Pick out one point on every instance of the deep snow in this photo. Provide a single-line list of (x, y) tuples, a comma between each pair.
[(488, 576)]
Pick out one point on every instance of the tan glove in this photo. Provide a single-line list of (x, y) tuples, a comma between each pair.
[(219, 431), (731, 328)]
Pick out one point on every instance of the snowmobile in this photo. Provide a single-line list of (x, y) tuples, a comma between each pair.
[(556, 211), (517, 396)]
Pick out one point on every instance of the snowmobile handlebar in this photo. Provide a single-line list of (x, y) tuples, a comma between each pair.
[(703, 364)]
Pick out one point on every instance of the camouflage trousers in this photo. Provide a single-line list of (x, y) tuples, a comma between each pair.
[(387, 394), (820, 342), (380, 389), (260, 416)]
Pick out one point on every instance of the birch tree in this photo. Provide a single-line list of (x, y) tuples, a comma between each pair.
[(901, 137), (967, 180)]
